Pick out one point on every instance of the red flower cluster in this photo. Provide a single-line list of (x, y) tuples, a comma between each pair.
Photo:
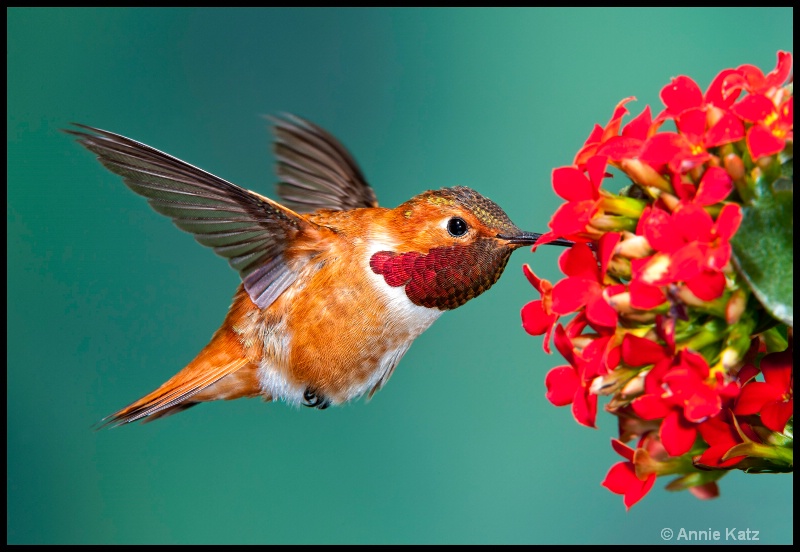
[(662, 322)]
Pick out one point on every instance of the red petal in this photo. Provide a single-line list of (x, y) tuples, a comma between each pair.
[(761, 142), (728, 129), (694, 363), (692, 222), (589, 147), (572, 218), (622, 449), (535, 320), (621, 147), (579, 261), (702, 405), (656, 226), (620, 478), (594, 136), (650, 407), (571, 294), (563, 344), (572, 185), (753, 77), (786, 113), (684, 264), (546, 340), (707, 285), (716, 432), (728, 221), (754, 396), (777, 368), (653, 381), (715, 186), (677, 434), (599, 312), (596, 168), (645, 296), (538, 283), (605, 250), (544, 239), (663, 148), (712, 456), (562, 383), (612, 128), (774, 415), (746, 374), (716, 93), (692, 124), (636, 493), (754, 108), (682, 93), (638, 351), (639, 126), (718, 257), (584, 408), (594, 357), (783, 67)]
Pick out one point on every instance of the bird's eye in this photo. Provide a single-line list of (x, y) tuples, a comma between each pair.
[(457, 227)]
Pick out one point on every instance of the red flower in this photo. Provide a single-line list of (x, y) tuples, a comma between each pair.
[(537, 316), (600, 135), (773, 398), (622, 479), (694, 249), (721, 436), (582, 194), (584, 287), (682, 392), (629, 143), (567, 384), (755, 82), (772, 126)]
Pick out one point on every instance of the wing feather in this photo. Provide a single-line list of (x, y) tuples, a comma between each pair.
[(249, 230), (316, 171)]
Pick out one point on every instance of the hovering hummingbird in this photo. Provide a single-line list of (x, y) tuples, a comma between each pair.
[(334, 288)]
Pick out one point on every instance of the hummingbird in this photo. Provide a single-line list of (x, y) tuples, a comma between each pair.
[(334, 288)]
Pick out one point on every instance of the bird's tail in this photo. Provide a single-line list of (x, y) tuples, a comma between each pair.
[(220, 371)]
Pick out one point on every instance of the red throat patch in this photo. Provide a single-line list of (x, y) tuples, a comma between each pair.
[(445, 277)]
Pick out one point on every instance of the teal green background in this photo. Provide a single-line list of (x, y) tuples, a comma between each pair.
[(106, 299)]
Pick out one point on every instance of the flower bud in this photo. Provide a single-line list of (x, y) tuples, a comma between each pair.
[(656, 268), (645, 175), (621, 302), (735, 166), (609, 223), (623, 206), (631, 426), (671, 201), (634, 387), (619, 267), (633, 246), (685, 294), (736, 306)]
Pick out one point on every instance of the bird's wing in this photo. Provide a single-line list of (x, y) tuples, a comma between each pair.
[(315, 170), (249, 230)]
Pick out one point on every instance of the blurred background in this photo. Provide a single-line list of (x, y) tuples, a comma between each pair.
[(106, 299)]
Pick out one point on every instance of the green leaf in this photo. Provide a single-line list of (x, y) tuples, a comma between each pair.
[(763, 247)]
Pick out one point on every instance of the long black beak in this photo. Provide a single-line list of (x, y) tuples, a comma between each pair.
[(530, 238)]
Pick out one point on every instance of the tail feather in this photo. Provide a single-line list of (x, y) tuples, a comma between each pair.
[(222, 357)]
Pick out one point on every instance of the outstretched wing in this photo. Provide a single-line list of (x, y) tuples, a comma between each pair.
[(315, 170), (246, 228)]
